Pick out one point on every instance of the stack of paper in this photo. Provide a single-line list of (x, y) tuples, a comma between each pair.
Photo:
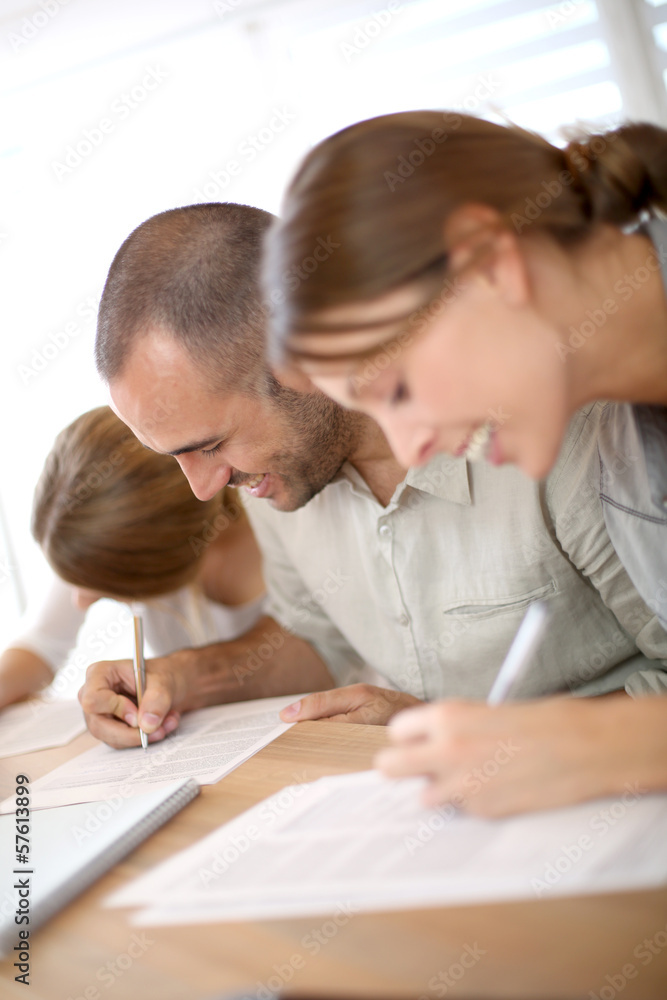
[(363, 842), (209, 743)]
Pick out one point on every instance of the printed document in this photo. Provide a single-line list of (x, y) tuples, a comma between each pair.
[(209, 743), (365, 841)]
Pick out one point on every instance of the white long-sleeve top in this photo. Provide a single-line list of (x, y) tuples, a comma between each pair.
[(178, 620)]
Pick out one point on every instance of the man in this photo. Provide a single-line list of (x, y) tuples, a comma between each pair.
[(423, 577)]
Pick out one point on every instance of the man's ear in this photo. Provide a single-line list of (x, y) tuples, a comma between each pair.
[(478, 240)]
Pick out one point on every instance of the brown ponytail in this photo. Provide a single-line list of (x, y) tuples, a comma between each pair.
[(378, 194), (623, 172)]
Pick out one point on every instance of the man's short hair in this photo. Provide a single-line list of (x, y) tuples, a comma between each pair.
[(192, 272)]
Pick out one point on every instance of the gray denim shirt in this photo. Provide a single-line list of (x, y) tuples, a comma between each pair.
[(632, 444)]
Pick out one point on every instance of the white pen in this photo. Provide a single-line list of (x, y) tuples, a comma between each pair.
[(521, 652), (139, 667)]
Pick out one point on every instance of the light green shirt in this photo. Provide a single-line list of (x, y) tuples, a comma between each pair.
[(430, 590)]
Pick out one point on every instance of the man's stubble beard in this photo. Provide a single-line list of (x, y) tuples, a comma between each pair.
[(324, 435)]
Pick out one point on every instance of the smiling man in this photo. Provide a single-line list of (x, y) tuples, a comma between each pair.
[(422, 577)]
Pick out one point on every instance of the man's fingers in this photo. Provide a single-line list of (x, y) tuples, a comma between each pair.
[(319, 705), (103, 701), (155, 704), (121, 736)]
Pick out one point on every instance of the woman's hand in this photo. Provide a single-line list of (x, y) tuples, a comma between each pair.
[(22, 673), (495, 761)]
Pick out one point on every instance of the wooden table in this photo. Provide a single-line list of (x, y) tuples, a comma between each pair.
[(554, 949)]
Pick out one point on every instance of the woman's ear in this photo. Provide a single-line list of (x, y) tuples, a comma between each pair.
[(477, 239)]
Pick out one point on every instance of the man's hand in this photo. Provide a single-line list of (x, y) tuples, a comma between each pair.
[(195, 678), (360, 703), (109, 705), (500, 760)]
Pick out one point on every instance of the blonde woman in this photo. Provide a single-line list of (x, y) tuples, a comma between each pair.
[(119, 521), (483, 286)]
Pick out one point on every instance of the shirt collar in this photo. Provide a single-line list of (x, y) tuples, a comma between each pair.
[(443, 477)]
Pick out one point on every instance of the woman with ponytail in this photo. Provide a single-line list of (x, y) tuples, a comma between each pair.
[(484, 285)]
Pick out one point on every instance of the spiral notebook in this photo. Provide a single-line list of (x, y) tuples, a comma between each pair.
[(70, 847)]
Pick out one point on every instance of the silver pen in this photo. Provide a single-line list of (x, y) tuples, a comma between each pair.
[(524, 646), (139, 667)]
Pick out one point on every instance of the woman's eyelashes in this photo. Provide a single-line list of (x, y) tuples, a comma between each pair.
[(399, 394)]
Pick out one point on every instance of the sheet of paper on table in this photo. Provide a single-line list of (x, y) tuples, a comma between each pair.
[(362, 842), (38, 724), (208, 744)]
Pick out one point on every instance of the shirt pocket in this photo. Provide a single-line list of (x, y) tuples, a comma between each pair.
[(479, 608)]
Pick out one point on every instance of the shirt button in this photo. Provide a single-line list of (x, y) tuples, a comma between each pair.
[(404, 620), (385, 530)]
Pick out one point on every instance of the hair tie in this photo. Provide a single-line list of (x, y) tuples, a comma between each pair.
[(578, 163)]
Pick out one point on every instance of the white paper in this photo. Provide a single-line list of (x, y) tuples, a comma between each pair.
[(38, 725), (207, 745), (362, 842)]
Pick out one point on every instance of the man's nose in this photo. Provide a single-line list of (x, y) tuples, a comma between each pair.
[(204, 482)]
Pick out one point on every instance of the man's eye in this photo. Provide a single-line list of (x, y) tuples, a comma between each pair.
[(209, 452)]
